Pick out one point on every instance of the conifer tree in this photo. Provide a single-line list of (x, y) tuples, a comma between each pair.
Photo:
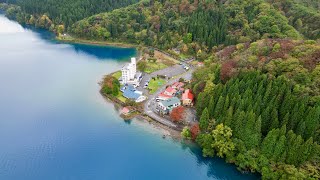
[(279, 148), (294, 151), (204, 120), (301, 128), (229, 117), (274, 119), (219, 107), (211, 106), (312, 122), (285, 120), (265, 120), (269, 143)]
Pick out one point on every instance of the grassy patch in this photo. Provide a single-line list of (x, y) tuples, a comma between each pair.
[(152, 67), (117, 74), (121, 98), (184, 56), (155, 84)]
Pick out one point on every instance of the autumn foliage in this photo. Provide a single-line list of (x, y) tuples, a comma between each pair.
[(227, 70), (177, 114), (195, 130)]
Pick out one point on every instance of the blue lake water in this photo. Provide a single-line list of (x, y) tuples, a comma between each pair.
[(54, 124)]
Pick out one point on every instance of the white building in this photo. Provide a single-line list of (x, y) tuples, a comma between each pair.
[(129, 71)]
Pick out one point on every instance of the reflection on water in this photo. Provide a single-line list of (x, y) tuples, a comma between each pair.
[(99, 52)]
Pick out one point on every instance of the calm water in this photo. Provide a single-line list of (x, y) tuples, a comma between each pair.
[(54, 125)]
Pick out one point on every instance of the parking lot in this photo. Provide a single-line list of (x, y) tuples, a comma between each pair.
[(168, 72)]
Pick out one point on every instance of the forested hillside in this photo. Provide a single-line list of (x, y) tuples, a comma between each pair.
[(259, 106), (45, 13), (304, 15), (189, 25)]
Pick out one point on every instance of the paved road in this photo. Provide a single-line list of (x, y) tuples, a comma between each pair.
[(148, 106)]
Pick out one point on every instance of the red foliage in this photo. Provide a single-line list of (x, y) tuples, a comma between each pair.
[(226, 52), (177, 114), (227, 70), (286, 45), (310, 62), (195, 130)]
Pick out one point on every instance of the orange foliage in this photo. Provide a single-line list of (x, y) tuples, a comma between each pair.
[(177, 114), (195, 130)]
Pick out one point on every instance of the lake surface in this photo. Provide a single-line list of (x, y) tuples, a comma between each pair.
[(54, 124)]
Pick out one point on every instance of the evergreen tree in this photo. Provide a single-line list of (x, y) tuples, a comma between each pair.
[(269, 143), (211, 106), (229, 117), (312, 122), (301, 128), (274, 119), (219, 108), (279, 148), (204, 120)]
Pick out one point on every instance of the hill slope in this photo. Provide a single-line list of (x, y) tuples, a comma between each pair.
[(259, 107), (196, 24), (44, 13)]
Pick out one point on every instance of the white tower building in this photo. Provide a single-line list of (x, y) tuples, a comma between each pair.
[(129, 71)]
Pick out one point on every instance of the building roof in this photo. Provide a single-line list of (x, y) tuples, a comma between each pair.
[(187, 95), (180, 85), (174, 85), (130, 92), (125, 110), (170, 102), (162, 95), (171, 90)]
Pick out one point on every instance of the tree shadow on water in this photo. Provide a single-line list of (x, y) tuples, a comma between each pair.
[(101, 52), (217, 167)]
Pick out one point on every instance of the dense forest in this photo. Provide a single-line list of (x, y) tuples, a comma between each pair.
[(47, 13), (258, 95), (260, 107), (188, 25), (304, 15)]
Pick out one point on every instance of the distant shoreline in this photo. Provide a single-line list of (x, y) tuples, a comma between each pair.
[(95, 42)]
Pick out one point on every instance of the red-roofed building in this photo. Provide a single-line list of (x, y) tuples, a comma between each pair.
[(180, 85), (170, 91), (125, 111), (177, 85), (187, 98), (163, 96)]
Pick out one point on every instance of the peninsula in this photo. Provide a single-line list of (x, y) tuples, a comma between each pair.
[(156, 87)]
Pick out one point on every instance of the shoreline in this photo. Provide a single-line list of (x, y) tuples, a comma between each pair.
[(173, 133), (96, 42)]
